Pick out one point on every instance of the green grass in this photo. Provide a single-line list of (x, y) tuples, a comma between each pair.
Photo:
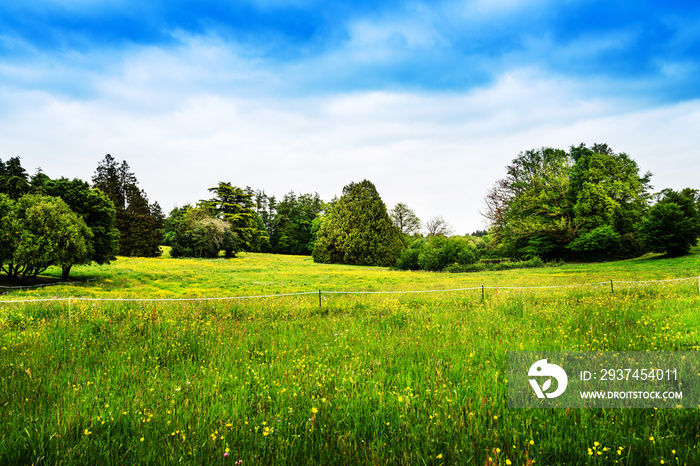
[(360, 379)]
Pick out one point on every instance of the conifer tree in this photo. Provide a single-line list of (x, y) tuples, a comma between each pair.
[(358, 230), (140, 224)]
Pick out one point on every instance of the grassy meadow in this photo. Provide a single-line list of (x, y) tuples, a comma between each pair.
[(398, 378)]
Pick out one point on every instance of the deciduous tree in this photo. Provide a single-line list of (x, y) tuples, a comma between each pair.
[(438, 226), (42, 231), (197, 233), (673, 224), (95, 208), (557, 204), (405, 219)]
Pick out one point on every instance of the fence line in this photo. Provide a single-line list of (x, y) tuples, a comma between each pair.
[(321, 292)]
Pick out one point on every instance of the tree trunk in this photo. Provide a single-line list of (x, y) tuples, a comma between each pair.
[(66, 272)]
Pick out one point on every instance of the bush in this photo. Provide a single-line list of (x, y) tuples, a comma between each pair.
[(409, 257), (597, 243)]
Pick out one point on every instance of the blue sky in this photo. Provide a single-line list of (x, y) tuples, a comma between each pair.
[(429, 100)]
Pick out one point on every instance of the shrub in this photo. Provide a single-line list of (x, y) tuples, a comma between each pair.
[(409, 257), (599, 242)]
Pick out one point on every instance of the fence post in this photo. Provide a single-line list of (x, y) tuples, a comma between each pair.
[(319, 299), (70, 317), (612, 290), (483, 298)]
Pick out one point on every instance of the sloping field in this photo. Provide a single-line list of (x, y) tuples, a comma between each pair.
[(395, 378)]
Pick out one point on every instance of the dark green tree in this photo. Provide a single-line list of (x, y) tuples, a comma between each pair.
[(293, 223), (140, 224), (235, 205), (672, 225), (96, 210), (14, 180), (358, 230), (8, 235)]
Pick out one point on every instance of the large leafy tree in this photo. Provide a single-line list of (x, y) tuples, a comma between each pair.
[(358, 230), (236, 206), (529, 209), (38, 232), (672, 225), (140, 224), (96, 210), (606, 190), (583, 204)]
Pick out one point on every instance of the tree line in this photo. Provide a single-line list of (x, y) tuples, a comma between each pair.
[(585, 203), (60, 222)]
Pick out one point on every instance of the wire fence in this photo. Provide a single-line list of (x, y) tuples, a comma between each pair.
[(611, 284)]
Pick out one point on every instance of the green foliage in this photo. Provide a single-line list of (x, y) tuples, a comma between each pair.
[(293, 224), (8, 219), (438, 253), (139, 223), (358, 230), (96, 210), (234, 205), (41, 231), (14, 180), (529, 209), (673, 224), (197, 233), (313, 232), (535, 262), (597, 243), (606, 189), (409, 257), (435, 254), (557, 204)]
